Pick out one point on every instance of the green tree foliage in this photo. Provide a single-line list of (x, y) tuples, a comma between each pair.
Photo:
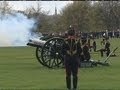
[(76, 14), (109, 14), (85, 16)]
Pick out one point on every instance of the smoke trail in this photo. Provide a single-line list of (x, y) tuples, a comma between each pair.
[(15, 29)]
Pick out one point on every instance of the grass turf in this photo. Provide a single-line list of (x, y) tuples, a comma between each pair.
[(19, 69)]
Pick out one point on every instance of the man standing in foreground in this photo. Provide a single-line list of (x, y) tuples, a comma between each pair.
[(71, 51)]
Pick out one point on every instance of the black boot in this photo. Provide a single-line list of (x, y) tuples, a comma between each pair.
[(101, 53), (75, 79), (68, 82)]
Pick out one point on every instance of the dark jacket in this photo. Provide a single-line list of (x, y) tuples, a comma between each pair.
[(71, 47)]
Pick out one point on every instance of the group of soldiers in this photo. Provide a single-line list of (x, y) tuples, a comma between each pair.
[(89, 43), (105, 47), (76, 50)]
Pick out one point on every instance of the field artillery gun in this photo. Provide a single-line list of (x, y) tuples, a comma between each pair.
[(104, 62), (48, 53)]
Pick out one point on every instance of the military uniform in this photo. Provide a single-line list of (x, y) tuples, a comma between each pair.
[(71, 50), (105, 49), (85, 50), (86, 53), (94, 46)]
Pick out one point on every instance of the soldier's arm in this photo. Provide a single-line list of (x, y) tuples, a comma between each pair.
[(79, 49), (63, 51)]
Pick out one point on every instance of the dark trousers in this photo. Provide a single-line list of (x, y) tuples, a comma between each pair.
[(71, 66), (94, 48), (86, 56), (105, 50)]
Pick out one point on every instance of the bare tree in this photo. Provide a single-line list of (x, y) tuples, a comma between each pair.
[(5, 8), (40, 17), (35, 11)]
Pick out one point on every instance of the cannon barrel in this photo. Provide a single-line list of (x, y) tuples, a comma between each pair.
[(36, 43)]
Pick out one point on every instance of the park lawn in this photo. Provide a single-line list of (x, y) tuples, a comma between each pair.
[(19, 69)]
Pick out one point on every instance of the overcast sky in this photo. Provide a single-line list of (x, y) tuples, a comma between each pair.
[(46, 5)]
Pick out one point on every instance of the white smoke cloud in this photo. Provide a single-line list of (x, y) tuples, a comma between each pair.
[(15, 29)]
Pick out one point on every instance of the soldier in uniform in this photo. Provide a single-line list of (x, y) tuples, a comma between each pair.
[(106, 48), (94, 45), (85, 50), (71, 50), (86, 53)]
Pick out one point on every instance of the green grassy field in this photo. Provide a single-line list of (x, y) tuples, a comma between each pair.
[(19, 69)]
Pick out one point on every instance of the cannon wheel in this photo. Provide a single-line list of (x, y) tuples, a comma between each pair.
[(51, 52), (38, 55)]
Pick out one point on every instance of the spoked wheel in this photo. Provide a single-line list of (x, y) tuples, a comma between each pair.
[(51, 52), (38, 55)]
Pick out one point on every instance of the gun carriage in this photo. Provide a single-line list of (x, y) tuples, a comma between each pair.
[(48, 52)]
